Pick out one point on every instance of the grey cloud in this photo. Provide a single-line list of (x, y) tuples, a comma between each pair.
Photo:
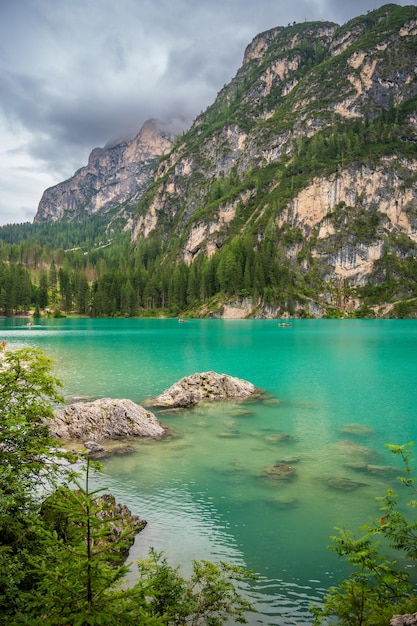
[(77, 74)]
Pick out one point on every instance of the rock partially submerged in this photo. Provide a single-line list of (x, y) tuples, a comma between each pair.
[(370, 468), (341, 483), (97, 451), (120, 520), (277, 437), (103, 419), (279, 471), (204, 386)]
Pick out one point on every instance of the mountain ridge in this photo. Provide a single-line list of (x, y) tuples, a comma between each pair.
[(295, 187), (114, 177), (357, 73)]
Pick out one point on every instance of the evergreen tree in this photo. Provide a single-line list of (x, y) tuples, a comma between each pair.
[(26, 468), (380, 586), (61, 562), (228, 273), (128, 305), (65, 289), (193, 290), (43, 298), (81, 293), (53, 284)]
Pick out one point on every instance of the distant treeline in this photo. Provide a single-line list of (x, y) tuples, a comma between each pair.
[(89, 268), (116, 278), (122, 280)]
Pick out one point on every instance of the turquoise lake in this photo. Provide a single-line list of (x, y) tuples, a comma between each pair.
[(336, 391)]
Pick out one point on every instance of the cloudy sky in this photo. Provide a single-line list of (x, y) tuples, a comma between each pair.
[(75, 74)]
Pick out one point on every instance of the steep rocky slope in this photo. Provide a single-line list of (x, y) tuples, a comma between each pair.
[(113, 180), (313, 142), (294, 193)]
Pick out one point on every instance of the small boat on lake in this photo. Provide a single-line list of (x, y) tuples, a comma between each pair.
[(285, 324)]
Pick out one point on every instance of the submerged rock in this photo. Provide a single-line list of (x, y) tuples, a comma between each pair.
[(277, 437), (103, 419), (279, 471), (378, 470), (284, 502), (289, 460), (356, 429), (353, 449), (229, 434), (204, 386), (343, 484)]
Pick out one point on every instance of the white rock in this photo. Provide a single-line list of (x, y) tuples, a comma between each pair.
[(205, 386), (105, 418)]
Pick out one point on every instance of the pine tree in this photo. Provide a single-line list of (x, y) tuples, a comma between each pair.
[(43, 298), (61, 562)]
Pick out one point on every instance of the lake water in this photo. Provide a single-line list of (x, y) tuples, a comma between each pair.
[(336, 391)]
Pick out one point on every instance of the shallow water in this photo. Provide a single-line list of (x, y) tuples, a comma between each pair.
[(335, 392)]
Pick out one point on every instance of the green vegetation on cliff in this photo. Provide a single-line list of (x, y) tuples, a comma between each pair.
[(235, 210)]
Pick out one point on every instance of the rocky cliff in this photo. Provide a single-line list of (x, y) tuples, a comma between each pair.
[(294, 193), (314, 141), (113, 180)]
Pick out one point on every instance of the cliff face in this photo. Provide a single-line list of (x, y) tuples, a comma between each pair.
[(286, 147), (299, 179), (334, 208), (113, 180)]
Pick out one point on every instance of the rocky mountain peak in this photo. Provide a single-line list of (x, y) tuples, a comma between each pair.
[(259, 45), (299, 178), (113, 180), (280, 156)]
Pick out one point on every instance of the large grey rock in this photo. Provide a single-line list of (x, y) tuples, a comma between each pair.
[(94, 448), (102, 419), (202, 387)]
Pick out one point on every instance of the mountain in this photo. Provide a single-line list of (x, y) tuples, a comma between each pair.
[(312, 147), (294, 193), (113, 180)]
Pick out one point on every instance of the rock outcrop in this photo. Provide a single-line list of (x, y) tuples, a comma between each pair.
[(120, 521), (104, 419), (205, 386), (115, 178), (98, 451), (404, 620)]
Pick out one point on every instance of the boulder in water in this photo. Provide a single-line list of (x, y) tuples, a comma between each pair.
[(277, 437), (343, 484), (94, 449), (204, 386), (103, 419), (356, 429)]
